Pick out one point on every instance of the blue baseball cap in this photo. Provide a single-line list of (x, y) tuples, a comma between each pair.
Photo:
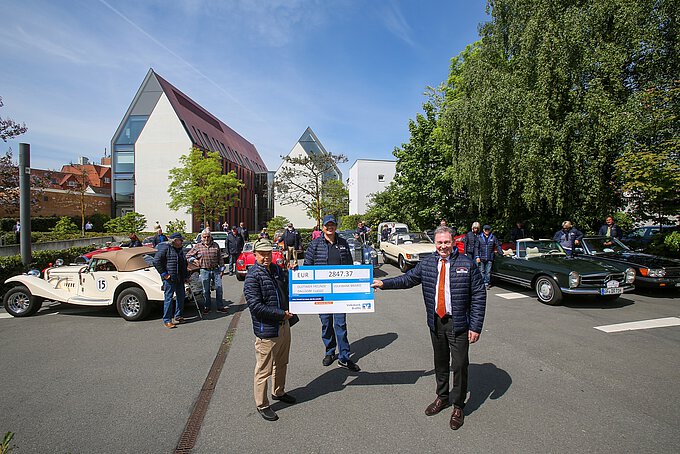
[(329, 218), (176, 235)]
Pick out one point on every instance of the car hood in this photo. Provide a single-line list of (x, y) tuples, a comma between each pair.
[(640, 259), (583, 266), (417, 248)]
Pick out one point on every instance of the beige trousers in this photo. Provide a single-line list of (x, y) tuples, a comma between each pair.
[(272, 361), (291, 253)]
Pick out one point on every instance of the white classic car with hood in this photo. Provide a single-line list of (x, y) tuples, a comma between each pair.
[(407, 249), (121, 277)]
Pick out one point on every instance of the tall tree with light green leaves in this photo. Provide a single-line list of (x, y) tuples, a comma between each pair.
[(199, 186)]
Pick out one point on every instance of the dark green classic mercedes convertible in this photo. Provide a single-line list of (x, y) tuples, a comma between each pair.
[(544, 266)]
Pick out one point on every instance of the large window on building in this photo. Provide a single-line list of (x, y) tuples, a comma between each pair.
[(124, 161), (124, 189), (131, 130)]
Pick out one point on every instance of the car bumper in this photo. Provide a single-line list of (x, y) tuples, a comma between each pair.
[(657, 282), (595, 291)]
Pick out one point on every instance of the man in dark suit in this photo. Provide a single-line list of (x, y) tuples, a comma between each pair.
[(455, 301)]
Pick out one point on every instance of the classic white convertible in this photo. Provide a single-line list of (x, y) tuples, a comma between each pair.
[(407, 249), (119, 277)]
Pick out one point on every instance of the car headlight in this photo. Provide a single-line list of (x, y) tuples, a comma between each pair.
[(373, 253), (240, 262), (630, 275), (653, 272), (412, 256), (574, 279), (33, 273), (279, 262)]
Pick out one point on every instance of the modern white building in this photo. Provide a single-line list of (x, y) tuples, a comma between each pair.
[(162, 124), (366, 177), (296, 213)]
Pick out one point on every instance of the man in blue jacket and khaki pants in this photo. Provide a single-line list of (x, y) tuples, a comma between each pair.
[(455, 300)]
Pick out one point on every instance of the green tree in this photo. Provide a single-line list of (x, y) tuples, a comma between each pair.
[(277, 223), (176, 226), (304, 181), (131, 222), (65, 225), (199, 185), (334, 199)]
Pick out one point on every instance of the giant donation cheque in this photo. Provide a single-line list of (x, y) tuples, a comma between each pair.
[(334, 289)]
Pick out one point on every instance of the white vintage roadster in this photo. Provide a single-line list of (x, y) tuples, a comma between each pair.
[(121, 277)]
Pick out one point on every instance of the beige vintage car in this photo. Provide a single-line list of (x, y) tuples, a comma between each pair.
[(121, 277), (407, 249)]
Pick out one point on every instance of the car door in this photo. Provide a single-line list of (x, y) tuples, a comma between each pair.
[(98, 282)]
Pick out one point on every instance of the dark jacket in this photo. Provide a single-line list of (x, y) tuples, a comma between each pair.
[(317, 252), (233, 244), (517, 234), (487, 247), (291, 238), (468, 296), (171, 261), (135, 243), (616, 231), (244, 233), (471, 242), (570, 236), (264, 293)]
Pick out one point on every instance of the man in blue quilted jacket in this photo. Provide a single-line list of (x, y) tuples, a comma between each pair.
[(265, 291), (455, 301)]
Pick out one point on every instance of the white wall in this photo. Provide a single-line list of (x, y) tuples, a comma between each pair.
[(295, 213), (363, 181), (157, 150)]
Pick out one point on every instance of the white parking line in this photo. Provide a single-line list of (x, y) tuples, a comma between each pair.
[(5, 315), (642, 324), (512, 296)]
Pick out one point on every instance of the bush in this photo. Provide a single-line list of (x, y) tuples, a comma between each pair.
[(276, 223), (98, 220), (176, 226), (350, 221), (131, 222), (65, 225)]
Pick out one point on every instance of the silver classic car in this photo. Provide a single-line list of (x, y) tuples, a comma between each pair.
[(121, 277)]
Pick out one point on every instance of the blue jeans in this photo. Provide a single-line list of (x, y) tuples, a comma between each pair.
[(485, 269), (206, 276), (335, 326), (173, 288), (232, 262)]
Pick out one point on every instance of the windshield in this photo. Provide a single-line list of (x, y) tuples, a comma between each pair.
[(413, 238), (602, 245), (538, 248)]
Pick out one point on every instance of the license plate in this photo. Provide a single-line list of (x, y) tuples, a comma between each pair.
[(611, 291)]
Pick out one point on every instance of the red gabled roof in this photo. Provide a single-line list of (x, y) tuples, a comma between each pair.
[(200, 123)]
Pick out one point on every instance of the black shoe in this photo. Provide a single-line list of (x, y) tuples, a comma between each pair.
[(285, 398), (268, 414), (328, 360), (349, 365)]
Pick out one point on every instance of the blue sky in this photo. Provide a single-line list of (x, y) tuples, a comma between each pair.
[(353, 70)]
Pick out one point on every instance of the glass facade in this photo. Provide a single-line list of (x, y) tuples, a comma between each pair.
[(123, 163)]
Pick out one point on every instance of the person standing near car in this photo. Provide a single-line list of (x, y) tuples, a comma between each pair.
[(243, 231), (171, 264), (134, 240), (265, 292), (233, 246), (362, 231), (291, 242), (489, 246), (455, 303), (610, 230), (569, 237), (208, 256), (518, 232), (471, 242), (159, 237), (331, 249)]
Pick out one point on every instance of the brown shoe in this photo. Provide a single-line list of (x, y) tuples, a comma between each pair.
[(436, 406), (457, 418), (169, 325)]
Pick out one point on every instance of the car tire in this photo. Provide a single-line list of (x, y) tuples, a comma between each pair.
[(240, 277), (402, 264), (384, 257), (548, 291), (132, 304), (19, 302)]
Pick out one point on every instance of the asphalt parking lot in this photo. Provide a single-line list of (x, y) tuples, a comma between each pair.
[(542, 379)]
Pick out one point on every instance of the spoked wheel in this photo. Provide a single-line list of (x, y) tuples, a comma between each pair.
[(548, 291), (19, 302), (132, 304), (402, 264)]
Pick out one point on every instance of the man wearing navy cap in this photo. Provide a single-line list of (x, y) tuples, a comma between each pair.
[(330, 249), (172, 266)]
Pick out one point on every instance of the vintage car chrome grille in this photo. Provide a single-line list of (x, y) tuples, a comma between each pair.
[(600, 280)]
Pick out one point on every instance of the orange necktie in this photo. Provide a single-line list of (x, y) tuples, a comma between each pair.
[(441, 298)]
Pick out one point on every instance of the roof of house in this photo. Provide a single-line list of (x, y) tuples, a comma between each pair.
[(209, 132)]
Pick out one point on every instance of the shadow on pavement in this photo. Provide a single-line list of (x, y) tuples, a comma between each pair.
[(593, 302), (486, 381)]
